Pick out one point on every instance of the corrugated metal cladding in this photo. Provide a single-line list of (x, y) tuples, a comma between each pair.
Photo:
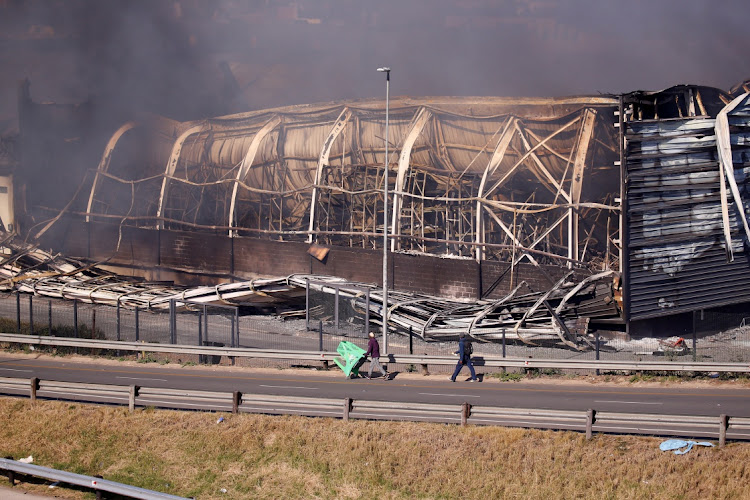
[(677, 260)]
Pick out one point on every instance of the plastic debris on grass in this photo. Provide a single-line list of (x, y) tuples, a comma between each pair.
[(678, 444)]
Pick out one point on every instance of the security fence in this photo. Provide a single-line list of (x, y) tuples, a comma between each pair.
[(340, 309), (330, 317)]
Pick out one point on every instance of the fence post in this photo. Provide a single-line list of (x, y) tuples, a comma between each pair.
[(75, 318), (231, 340), (597, 351), (465, 412), (172, 322), (200, 335), (347, 408), (31, 315), (18, 313), (236, 400), (695, 338), (590, 415), (50, 319), (367, 313), (205, 324), (75, 321), (336, 308), (118, 319), (307, 304), (504, 367), (137, 325), (320, 336), (723, 424), (33, 388), (411, 340)]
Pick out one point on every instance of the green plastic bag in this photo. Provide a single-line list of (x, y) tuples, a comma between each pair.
[(352, 357)]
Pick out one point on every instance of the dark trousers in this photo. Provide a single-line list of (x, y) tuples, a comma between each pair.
[(461, 365)]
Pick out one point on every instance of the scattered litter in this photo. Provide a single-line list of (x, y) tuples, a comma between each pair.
[(678, 444), (673, 345), (223, 490), (713, 375), (221, 419), (53, 485), (26, 460)]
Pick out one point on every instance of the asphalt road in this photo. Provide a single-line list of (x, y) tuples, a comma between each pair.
[(710, 400)]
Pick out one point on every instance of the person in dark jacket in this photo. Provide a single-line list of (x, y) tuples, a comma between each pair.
[(373, 350), (464, 358)]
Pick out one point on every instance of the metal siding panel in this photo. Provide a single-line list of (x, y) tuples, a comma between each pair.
[(675, 249)]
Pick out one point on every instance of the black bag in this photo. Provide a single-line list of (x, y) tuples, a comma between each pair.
[(468, 350)]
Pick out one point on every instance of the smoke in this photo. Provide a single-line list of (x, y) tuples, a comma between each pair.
[(189, 59)]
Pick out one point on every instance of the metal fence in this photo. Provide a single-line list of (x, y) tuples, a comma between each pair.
[(715, 336)]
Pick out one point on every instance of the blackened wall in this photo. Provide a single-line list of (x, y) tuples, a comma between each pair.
[(199, 258)]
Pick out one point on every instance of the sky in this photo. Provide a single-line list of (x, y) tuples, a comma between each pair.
[(190, 59)]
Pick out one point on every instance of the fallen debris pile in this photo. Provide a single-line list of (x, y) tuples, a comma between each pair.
[(561, 314)]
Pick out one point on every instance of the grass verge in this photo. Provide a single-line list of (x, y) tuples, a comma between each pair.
[(257, 456)]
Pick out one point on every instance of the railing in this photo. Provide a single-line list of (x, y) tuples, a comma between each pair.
[(12, 467), (405, 359), (588, 421)]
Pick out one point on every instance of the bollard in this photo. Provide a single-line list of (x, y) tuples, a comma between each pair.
[(465, 412), (347, 408), (590, 415), (34, 387), (236, 401), (723, 424)]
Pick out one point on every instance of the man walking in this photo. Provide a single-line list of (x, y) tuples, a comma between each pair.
[(464, 358), (373, 350)]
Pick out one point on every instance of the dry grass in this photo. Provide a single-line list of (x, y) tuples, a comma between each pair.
[(189, 454)]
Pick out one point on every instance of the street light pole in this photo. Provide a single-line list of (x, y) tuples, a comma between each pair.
[(387, 72)]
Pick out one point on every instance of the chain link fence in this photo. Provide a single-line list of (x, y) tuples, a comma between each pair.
[(343, 312)]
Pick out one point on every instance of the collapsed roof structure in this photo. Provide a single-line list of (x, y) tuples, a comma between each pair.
[(488, 178)]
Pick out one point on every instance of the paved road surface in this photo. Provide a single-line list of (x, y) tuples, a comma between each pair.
[(709, 400)]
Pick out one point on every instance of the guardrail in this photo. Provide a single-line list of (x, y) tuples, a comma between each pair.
[(407, 359), (588, 421), (12, 467)]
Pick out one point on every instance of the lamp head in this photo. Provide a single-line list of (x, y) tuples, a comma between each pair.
[(384, 69)]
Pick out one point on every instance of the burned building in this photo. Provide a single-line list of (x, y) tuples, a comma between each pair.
[(642, 191)]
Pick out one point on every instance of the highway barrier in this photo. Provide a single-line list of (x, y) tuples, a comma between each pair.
[(12, 468), (721, 427), (326, 357)]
